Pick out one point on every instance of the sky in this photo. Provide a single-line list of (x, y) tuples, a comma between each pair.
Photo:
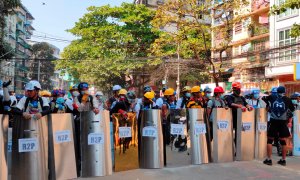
[(54, 17)]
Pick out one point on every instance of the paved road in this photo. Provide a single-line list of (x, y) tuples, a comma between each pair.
[(222, 171)]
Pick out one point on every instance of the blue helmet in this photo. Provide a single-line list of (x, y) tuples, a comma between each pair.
[(295, 95), (147, 88), (281, 89), (274, 90), (255, 91)]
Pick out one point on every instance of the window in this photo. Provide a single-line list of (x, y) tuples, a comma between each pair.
[(238, 28), (288, 12), (287, 52), (236, 51)]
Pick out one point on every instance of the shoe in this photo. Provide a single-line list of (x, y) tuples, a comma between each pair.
[(282, 162), (268, 162)]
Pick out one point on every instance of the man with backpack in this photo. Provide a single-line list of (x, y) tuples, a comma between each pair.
[(33, 106), (281, 108), (215, 102)]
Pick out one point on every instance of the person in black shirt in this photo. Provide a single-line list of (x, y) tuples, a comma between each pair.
[(236, 101)]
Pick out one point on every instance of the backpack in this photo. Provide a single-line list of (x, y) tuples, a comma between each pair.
[(279, 109)]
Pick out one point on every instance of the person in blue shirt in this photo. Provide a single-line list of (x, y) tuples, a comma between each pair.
[(255, 101)]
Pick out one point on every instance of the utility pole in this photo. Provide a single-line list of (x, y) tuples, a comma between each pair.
[(39, 70), (178, 72)]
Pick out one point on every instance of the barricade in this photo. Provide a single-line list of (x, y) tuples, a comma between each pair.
[(95, 144), (62, 162), (3, 146), (125, 142), (29, 149), (261, 120), (199, 141), (296, 133), (222, 135), (177, 140), (150, 140), (245, 143)]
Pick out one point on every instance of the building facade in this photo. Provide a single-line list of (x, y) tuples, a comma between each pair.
[(17, 33), (285, 49), (248, 46)]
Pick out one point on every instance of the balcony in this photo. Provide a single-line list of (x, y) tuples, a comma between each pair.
[(21, 17), (20, 29), (260, 6), (258, 30), (22, 67)]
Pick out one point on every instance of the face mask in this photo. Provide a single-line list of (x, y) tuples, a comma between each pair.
[(208, 95), (294, 101), (75, 93), (84, 92), (256, 96), (188, 95), (237, 92), (222, 96)]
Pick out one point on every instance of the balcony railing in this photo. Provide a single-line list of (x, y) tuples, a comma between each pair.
[(257, 30)]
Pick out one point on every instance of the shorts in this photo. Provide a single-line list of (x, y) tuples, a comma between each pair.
[(278, 128)]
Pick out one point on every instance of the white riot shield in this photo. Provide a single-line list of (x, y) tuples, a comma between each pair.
[(95, 144), (3, 147), (261, 120), (125, 142), (245, 148), (199, 140), (177, 139), (222, 135), (62, 162), (296, 134), (29, 149)]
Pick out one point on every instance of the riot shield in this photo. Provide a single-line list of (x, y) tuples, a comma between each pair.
[(198, 134), (296, 134), (95, 144), (150, 140), (245, 148), (62, 162), (29, 149), (3, 147), (9, 151), (125, 142), (222, 135), (261, 120), (177, 139)]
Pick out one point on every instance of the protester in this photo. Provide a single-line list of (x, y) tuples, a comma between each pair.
[(281, 108)]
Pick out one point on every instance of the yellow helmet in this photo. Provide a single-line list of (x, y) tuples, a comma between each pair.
[(149, 95), (45, 93), (186, 88), (195, 89), (122, 92), (169, 92)]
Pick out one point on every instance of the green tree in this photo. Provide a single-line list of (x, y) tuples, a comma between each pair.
[(111, 42), (185, 31), (288, 4), (42, 52), (5, 7)]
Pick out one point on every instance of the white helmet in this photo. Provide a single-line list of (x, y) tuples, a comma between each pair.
[(99, 93), (36, 84), (116, 87)]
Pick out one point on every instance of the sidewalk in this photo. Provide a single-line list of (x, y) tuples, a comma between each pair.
[(221, 171)]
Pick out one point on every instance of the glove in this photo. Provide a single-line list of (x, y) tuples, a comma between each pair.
[(250, 108), (6, 84), (123, 113), (75, 106), (244, 109)]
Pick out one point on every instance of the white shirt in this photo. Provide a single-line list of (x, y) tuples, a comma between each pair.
[(253, 102), (159, 102), (21, 103)]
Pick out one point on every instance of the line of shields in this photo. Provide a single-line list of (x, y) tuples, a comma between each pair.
[(48, 149)]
